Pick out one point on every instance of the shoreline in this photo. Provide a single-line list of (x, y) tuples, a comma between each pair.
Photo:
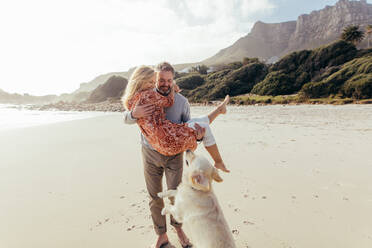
[(116, 106)]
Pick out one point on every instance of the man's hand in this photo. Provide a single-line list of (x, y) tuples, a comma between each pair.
[(140, 111), (200, 132)]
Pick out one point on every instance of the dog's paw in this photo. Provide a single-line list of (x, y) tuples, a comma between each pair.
[(164, 211), (161, 194)]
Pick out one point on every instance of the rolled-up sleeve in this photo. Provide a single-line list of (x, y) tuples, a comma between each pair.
[(128, 118)]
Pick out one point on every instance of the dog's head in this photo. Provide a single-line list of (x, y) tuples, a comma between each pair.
[(201, 172)]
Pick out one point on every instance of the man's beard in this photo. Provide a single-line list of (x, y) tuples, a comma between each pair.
[(164, 90)]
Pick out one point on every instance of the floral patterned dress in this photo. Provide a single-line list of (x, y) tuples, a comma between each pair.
[(166, 137)]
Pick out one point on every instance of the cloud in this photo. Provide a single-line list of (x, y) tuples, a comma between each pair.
[(52, 46)]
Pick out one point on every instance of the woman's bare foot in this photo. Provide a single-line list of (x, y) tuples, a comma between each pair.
[(221, 166), (222, 106), (162, 240)]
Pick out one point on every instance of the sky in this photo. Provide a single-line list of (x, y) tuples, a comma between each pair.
[(50, 47)]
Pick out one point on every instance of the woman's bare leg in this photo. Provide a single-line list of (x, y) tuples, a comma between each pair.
[(215, 154), (221, 109)]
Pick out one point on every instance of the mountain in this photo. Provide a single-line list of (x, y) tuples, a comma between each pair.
[(93, 84), (113, 89), (101, 79), (271, 41), (15, 98)]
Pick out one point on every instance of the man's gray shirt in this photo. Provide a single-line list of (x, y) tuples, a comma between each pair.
[(179, 112)]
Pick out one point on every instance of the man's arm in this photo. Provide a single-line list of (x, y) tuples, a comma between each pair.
[(128, 118), (139, 111)]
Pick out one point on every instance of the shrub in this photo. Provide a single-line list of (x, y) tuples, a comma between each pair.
[(228, 81), (190, 82), (358, 87), (275, 83), (304, 66), (352, 80)]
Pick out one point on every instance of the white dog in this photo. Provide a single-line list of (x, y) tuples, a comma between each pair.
[(196, 206)]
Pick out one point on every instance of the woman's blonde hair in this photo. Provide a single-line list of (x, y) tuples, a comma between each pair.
[(141, 75)]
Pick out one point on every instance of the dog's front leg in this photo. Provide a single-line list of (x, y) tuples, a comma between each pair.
[(168, 193), (167, 209), (172, 210)]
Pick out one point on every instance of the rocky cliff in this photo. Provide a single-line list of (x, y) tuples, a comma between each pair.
[(269, 40)]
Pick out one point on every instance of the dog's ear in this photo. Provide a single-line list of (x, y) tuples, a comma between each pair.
[(216, 175), (189, 156), (199, 181)]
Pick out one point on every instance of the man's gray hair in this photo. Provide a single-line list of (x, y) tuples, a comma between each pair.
[(164, 66)]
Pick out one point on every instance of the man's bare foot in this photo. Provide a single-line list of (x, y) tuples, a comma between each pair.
[(221, 166), (185, 242), (162, 240), (222, 106)]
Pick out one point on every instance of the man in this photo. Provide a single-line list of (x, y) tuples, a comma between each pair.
[(156, 164)]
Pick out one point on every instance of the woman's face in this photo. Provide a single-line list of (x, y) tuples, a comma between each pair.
[(150, 84)]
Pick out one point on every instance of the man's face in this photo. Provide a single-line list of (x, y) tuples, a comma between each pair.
[(164, 82)]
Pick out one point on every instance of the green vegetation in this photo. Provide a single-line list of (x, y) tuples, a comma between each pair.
[(354, 79), (202, 69), (233, 79), (257, 99), (251, 99), (190, 81), (352, 34), (368, 32), (289, 74), (311, 76)]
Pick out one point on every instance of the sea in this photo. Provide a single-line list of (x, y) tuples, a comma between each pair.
[(348, 116), (19, 116)]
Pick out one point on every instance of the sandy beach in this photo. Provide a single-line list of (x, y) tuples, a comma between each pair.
[(300, 178)]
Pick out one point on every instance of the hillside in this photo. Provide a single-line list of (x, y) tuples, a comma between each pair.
[(112, 89), (334, 69), (270, 41)]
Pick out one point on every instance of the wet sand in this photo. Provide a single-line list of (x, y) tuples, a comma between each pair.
[(300, 177)]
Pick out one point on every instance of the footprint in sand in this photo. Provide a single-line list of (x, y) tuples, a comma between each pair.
[(130, 228)]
